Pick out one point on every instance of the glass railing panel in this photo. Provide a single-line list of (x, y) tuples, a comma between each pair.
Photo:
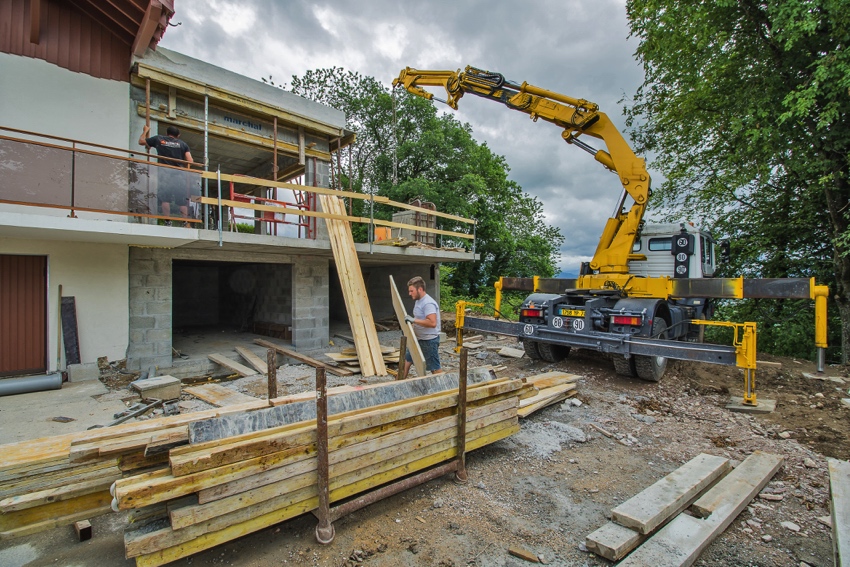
[(35, 174)]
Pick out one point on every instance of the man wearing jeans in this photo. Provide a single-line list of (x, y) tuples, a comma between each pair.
[(426, 326)]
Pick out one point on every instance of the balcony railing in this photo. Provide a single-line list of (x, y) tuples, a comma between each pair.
[(49, 171)]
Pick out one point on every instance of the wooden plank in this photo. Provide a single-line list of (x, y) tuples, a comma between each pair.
[(613, 541), (680, 542), (549, 379), (57, 494), (354, 290), (407, 329), (23, 522), (651, 507), (545, 398), (162, 443), (305, 359), (222, 360), (218, 395), (258, 363), (839, 489)]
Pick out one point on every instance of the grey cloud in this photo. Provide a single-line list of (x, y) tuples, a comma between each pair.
[(579, 49)]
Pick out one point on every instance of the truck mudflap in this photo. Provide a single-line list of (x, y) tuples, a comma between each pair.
[(606, 342)]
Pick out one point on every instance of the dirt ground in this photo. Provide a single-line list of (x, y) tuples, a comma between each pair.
[(553, 483)]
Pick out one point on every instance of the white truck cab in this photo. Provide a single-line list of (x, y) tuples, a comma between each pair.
[(668, 255)]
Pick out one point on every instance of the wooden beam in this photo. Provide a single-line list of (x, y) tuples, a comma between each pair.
[(304, 358), (232, 365), (251, 358), (218, 395)]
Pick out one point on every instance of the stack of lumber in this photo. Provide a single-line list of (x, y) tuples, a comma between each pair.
[(239, 475), (55, 481), (549, 388), (347, 357), (353, 289), (664, 537)]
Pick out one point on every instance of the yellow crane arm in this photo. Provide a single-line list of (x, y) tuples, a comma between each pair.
[(576, 117)]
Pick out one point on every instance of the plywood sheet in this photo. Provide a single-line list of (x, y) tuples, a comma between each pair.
[(407, 329)]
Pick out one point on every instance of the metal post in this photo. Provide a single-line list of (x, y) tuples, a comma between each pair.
[(73, 177), (324, 530), (206, 157), (402, 351), (218, 176), (821, 359), (271, 362), (460, 473)]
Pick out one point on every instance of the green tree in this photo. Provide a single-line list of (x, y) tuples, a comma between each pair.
[(746, 104), (406, 150)]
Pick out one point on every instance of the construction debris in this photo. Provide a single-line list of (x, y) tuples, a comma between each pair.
[(550, 388), (158, 388)]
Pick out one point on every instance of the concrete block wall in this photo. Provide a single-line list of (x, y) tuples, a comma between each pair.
[(150, 308), (310, 304), (274, 296), (378, 288)]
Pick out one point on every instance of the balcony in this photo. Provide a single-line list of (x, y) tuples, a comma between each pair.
[(61, 189)]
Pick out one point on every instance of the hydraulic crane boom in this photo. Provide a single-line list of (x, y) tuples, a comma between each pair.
[(576, 117)]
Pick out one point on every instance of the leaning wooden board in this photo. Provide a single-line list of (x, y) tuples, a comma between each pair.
[(354, 290), (407, 329)]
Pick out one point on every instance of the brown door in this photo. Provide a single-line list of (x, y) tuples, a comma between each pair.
[(23, 314)]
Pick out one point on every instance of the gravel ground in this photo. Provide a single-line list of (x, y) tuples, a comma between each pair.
[(547, 487)]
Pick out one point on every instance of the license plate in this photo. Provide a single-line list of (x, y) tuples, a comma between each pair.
[(572, 312)]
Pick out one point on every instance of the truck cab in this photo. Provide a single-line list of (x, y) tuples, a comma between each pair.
[(657, 242)]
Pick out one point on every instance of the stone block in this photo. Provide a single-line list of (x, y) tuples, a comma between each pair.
[(158, 335), (158, 280), (142, 294), (141, 350), (139, 323), (159, 387), (158, 308), (141, 267), (83, 372), (163, 294), (163, 348), (163, 321)]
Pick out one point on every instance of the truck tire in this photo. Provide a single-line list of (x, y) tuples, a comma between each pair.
[(624, 366), (531, 349), (553, 353), (651, 368)]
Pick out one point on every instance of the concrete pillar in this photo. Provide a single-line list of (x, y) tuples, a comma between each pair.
[(310, 316), (150, 309)]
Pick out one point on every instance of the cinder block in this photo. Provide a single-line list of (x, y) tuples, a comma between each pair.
[(160, 387), (83, 372)]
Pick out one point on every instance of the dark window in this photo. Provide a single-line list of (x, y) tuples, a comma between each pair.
[(658, 244)]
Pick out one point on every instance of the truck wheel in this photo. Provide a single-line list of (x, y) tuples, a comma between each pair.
[(553, 353), (624, 366), (531, 349), (652, 368)]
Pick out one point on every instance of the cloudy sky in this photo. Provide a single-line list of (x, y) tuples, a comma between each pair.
[(576, 48)]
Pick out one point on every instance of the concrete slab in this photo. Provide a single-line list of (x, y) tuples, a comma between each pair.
[(670, 495), (680, 542), (159, 388), (839, 488), (83, 372), (764, 406), (30, 416)]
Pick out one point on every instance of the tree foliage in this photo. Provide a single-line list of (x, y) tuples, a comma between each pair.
[(436, 159), (747, 106)]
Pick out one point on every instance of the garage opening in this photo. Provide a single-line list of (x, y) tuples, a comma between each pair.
[(215, 300)]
